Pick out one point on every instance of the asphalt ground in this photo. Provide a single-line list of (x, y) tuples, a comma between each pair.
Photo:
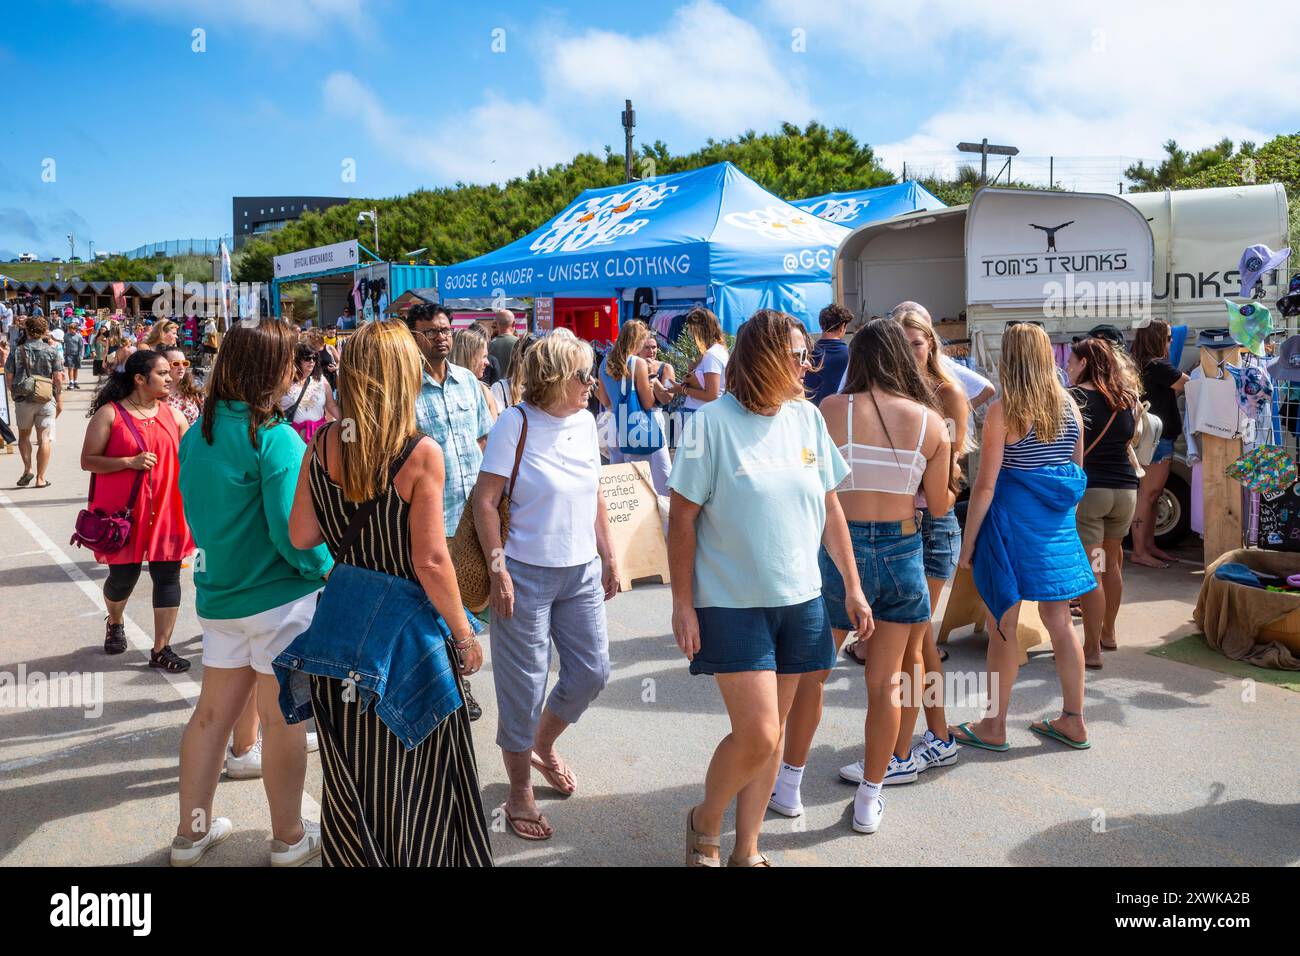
[(1188, 766)]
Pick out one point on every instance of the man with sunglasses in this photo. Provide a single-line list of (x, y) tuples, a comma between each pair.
[(451, 410)]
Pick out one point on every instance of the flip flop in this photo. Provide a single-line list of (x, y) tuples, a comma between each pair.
[(1047, 730), (554, 779), (539, 819), (26, 480), (45, 485), (970, 739), (848, 652)]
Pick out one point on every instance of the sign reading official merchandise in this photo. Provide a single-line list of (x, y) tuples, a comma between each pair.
[(339, 255)]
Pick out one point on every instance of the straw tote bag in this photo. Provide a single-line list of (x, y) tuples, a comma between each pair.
[(467, 553)]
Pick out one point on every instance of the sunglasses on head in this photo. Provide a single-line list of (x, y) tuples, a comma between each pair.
[(1014, 322)]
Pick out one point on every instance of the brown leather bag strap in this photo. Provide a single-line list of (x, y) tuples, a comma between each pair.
[(519, 452), (1087, 450)]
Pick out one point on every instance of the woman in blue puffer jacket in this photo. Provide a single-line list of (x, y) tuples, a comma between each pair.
[(1021, 538)]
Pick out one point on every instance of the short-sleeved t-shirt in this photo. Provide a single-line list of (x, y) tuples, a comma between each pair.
[(553, 508), (1107, 465), (1158, 378), (761, 482), (714, 360)]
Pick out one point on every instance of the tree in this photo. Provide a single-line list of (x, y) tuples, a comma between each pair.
[(119, 269), (1178, 164)]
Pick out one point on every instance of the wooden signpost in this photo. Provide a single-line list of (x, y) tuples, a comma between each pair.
[(635, 525), (1221, 495)]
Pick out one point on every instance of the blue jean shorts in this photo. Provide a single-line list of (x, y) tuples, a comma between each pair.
[(1164, 451), (941, 539), (892, 568), (788, 640)]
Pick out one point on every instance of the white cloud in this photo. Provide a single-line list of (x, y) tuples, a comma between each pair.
[(707, 67), (492, 142), (300, 18), (1107, 78)]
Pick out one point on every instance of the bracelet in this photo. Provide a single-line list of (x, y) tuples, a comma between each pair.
[(464, 643)]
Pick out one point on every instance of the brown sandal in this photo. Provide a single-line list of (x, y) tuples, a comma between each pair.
[(758, 860), (539, 820), (695, 840)]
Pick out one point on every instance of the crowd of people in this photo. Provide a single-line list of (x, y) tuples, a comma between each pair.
[(316, 492)]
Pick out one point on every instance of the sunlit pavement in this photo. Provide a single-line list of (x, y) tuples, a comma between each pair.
[(1187, 766)]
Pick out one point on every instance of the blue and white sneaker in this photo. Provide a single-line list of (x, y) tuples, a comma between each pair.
[(900, 771), (931, 751), (872, 822)]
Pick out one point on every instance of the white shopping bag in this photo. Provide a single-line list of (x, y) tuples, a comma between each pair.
[(1212, 407)]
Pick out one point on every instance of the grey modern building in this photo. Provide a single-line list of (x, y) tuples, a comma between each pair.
[(255, 215)]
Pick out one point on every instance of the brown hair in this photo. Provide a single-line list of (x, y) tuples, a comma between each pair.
[(157, 331), (185, 386), (1151, 343), (250, 368), (704, 328), (834, 316), (759, 373), (379, 379), (1104, 369)]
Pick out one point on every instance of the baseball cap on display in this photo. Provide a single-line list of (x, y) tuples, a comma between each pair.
[(1256, 261), (1287, 366), (1108, 332), (1249, 324)]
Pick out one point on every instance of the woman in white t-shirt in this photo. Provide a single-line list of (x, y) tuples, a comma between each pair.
[(708, 377), (309, 395), (557, 571)]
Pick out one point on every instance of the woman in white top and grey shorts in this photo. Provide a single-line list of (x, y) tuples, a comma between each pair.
[(557, 571)]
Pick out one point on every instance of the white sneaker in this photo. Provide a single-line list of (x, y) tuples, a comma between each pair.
[(313, 742), (930, 751), (308, 848), (795, 811), (900, 771), (872, 822), (852, 773), (247, 767), (186, 852)]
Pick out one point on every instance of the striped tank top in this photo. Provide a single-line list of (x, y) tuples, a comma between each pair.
[(1030, 453)]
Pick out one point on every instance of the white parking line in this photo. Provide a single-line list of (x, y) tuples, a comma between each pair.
[(184, 686)]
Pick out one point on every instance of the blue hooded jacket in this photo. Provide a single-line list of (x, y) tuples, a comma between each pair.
[(1028, 547)]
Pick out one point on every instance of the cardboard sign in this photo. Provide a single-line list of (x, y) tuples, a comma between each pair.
[(635, 525)]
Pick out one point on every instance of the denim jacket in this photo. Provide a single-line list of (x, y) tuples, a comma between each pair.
[(382, 637)]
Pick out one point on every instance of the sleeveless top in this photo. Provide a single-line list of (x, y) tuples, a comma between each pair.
[(312, 406), (879, 468), (384, 543), (1030, 453)]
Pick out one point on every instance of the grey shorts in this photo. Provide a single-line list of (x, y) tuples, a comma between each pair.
[(33, 415)]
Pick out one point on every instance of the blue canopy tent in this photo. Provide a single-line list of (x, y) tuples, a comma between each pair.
[(855, 209), (712, 228)]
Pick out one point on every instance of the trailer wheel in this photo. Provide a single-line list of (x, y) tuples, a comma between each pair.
[(1172, 513)]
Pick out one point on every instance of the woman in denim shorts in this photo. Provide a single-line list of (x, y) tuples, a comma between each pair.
[(888, 430), (753, 500)]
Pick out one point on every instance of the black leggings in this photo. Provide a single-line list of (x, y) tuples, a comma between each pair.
[(166, 577)]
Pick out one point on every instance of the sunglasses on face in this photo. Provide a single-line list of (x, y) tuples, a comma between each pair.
[(583, 375), (801, 355), (181, 364)]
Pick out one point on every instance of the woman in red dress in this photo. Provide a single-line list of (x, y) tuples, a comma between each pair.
[(134, 436)]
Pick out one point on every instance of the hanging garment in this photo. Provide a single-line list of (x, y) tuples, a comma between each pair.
[(1212, 407)]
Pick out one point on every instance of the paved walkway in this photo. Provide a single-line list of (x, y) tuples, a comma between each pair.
[(1186, 768)]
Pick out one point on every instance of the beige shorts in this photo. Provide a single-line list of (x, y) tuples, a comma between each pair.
[(33, 415), (1105, 514)]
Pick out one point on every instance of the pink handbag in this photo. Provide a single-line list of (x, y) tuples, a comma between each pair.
[(95, 528)]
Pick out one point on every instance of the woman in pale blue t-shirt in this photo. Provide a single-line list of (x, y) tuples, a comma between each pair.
[(752, 504)]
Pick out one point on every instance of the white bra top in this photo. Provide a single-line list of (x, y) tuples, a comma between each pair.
[(874, 468)]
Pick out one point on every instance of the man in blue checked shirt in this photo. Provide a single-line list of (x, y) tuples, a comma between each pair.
[(452, 411)]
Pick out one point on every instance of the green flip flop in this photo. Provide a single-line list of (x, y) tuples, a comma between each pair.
[(971, 739), (1047, 730)]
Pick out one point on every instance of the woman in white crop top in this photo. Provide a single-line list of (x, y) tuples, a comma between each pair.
[(896, 444)]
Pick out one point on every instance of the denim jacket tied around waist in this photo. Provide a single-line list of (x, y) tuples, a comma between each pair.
[(382, 637)]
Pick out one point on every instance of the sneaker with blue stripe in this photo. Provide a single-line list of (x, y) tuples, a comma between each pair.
[(931, 751), (900, 771)]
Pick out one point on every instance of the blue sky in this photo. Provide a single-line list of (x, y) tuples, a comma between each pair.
[(149, 139)]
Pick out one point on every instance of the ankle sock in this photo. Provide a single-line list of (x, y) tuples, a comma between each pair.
[(865, 798), (788, 781)]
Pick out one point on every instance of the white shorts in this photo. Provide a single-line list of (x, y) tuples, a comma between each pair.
[(256, 640)]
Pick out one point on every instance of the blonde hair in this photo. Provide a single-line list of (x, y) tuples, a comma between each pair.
[(466, 345), (933, 371), (550, 364), (1032, 394), (158, 330), (379, 379), (704, 328), (630, 340)]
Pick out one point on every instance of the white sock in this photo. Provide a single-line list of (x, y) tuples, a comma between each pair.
[(788, 781), (865, 799)]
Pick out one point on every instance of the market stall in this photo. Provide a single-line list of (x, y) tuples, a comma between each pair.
[(710, 236), (854, 209)]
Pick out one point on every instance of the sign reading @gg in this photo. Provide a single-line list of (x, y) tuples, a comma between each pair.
[(635, 525)]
